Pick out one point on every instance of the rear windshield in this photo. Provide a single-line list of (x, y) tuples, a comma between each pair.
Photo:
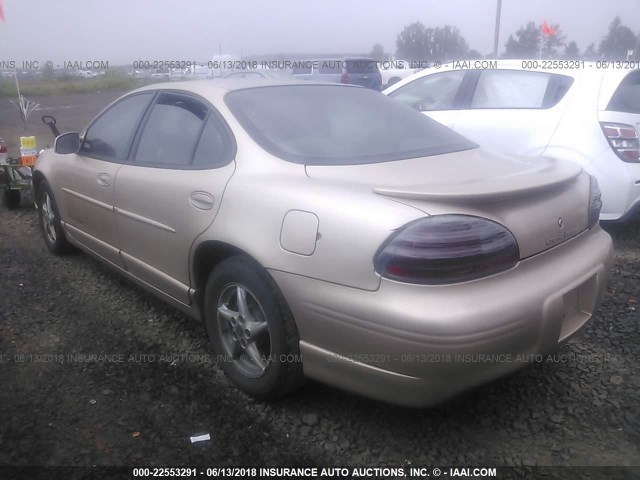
[(301, 68), (361, 65), (627, 96), (329, 66), (338, 125)]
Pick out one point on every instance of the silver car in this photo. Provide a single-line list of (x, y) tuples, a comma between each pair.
[(327, 231)]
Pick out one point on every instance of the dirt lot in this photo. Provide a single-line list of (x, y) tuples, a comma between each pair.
[(60, 406), (154, 385), (72, 112)]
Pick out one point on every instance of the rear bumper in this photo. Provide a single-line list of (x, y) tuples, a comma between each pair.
[(620, 185), (418, 345), (631, 212)]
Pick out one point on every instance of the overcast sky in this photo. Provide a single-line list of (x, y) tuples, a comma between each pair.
[(125, 30)]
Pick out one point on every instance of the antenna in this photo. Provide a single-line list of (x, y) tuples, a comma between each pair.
[(497, 32)]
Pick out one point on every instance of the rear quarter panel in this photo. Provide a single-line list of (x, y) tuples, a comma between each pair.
[(352, 222)]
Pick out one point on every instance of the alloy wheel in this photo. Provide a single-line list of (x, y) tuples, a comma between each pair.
[(48, 217), (243, 330)]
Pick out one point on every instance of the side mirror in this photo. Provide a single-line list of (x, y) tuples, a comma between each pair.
[(67, 143)]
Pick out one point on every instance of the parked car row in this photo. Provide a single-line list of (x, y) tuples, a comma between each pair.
[(89, 73), (361, 71), (395, 70), (327, 231), (354, 71), (170, 74)]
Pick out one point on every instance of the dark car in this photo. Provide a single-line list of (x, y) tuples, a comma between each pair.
[(354, 71)]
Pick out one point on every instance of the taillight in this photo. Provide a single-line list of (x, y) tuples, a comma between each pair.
[(595, 202), (446, 249), (623, 139), (344, 78)]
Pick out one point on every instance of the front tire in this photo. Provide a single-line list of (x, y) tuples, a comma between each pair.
[(252, 330), (50, 226)]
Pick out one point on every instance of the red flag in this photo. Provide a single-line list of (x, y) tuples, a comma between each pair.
[(1, 12), (547, 30)]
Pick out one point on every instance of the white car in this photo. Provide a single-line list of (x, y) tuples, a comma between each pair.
[(393, 71), (161, 74), (587, 114), (86, 74), (198, 72), (222, 65)]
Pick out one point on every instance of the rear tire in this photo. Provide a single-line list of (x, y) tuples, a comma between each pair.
[(11, 199), (52, 232), (251, 329), (393, 81)]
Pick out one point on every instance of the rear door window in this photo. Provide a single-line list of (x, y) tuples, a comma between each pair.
[(214, 148), (627, 96), (171, 131)]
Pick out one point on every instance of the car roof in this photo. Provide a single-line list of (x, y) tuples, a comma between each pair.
[(580, 67), (217, 88)]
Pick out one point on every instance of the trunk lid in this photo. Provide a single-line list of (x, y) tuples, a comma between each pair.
[(542, 201)]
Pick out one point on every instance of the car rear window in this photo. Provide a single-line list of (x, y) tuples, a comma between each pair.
[(627, 96), (510, 89), (507, 89), (338, 125), (361, 65)]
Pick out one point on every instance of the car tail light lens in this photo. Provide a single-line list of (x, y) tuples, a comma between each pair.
[(344, 78), (447, 249), (595, 202), (624, 140)]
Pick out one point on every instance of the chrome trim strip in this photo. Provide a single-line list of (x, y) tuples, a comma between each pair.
[(146, 220), (89, 199)]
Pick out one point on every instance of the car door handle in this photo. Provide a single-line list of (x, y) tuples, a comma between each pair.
[(201, 200), (104, 180)]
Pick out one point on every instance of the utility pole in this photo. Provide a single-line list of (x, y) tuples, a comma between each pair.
[(497, 32)]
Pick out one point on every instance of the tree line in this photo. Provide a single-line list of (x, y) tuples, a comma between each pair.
[(418, 42)]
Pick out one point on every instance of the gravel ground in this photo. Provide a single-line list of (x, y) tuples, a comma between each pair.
[(142, 410), (73, 112)]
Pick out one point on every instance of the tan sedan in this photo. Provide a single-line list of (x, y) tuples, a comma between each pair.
[(328, 231)]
